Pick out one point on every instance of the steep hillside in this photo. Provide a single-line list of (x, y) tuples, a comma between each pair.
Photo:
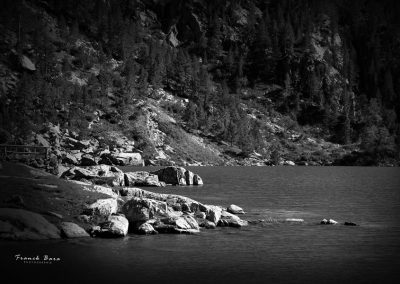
[(203, 82)]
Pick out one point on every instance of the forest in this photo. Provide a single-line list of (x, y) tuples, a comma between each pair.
[(328, 69)]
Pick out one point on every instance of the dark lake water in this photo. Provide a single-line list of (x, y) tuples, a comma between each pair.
[(269, 252)]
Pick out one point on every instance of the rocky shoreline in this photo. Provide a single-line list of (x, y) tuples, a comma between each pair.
[(122, 209), (102, 202)]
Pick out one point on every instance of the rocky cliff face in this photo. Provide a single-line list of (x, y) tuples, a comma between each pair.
[(200, 83)]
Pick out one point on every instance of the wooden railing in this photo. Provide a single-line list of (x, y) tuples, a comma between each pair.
[(10, 150)]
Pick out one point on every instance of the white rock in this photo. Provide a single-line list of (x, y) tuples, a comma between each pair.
[(116, 226), (27, 63), (103, 207), (234, 209)]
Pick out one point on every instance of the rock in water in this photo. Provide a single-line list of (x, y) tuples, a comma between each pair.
[(141, 178), (20, 224), (197, 180), (328, 222), (230, 220), (178, 176), (234, 209), (115, 227), (72, 230), (189, 177), (172, 175)]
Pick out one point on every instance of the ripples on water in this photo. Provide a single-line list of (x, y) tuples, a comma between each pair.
[(269, 252)]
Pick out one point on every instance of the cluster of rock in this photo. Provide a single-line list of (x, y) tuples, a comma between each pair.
[(66, 147), (130, 209), (112, 176), (333, 222)]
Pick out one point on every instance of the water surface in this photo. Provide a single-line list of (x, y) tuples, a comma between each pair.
[(269, 252)]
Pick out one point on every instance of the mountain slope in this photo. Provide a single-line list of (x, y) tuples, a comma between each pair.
[(200, 82)]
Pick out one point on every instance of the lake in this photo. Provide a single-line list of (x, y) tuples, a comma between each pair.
[(272, 251)]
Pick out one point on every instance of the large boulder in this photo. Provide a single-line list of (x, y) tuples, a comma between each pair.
[(140, 210), (234, 209), (230, 220), (115, 227), (20, 224), (72, 230), (102, 208), (172, 175), (141, 178)]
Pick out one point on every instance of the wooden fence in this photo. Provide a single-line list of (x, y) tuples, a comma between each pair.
[(23, 150)]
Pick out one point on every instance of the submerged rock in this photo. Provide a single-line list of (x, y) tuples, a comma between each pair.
[(296, 220), (20, 224), (234, 209), (72, 230)]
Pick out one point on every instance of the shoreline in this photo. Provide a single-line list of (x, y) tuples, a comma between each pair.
[(69, 209)]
